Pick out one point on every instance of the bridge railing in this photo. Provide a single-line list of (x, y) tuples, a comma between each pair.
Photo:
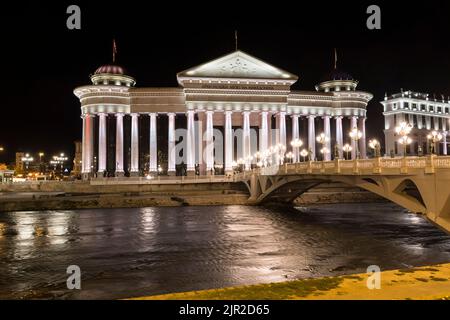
[(389, 166)]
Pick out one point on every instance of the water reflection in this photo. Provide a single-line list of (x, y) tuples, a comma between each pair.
[(130, 252)]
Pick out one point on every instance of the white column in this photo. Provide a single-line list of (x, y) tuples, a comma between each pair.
[(83, 145), (264, 133), (190, 145), (312, 137), (209, 137), (153, 167), (119, 144), (171, 150), (102, 143), (246, 139), (354, 124), (295, 135), (339, 136), (87, 144), (282, 128), (362, 141), (228, 142), (134, 144), (327, 131), (444, 146)]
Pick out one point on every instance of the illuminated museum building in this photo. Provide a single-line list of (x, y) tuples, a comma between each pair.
[(424, 112), (125, 127)]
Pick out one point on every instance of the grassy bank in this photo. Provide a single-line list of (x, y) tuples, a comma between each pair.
[(425, 283)]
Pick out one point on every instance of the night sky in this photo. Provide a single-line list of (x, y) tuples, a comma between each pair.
[(42, 61)]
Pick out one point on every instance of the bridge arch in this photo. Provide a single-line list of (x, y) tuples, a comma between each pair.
[(284, 189)]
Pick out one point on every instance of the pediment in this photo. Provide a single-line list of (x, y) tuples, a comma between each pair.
[(237, 64)]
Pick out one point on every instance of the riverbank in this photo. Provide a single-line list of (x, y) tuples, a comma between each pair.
[(424, 283), (71, 196)]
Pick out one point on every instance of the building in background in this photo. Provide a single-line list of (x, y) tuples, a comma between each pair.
[(234, 92), (77, 160), (19, 163), (424, 112)]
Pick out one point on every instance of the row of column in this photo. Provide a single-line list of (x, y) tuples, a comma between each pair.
[(88, 145)]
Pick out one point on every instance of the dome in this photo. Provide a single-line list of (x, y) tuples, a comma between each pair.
[(337, 75), (337, 80), (112, 75), (110, 69)]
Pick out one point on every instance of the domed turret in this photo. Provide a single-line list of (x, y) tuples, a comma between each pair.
[(337, 80), (112, 75)]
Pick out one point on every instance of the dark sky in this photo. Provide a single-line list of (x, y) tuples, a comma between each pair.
[(42, 61)]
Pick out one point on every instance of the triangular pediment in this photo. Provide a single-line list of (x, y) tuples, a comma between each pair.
[(237, 64)]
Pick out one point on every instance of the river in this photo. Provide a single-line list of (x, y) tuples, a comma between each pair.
[(133, 252)]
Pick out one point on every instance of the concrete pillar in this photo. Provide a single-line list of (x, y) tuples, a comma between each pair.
[(134, 144), (339, 136), (264, 133), (87, 145), (153, 167), (119, 144), (209, 137), (312, 136), (190, 142), (102, 154), (354, 124), (281, 126), (295, 135), (362, 141), (327, 131), (171, 150), (246, 152), (444, 145), (228, 142)]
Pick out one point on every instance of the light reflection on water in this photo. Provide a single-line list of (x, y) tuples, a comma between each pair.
[(132, 252)]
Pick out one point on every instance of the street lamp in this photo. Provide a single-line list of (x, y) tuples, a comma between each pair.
[(324, 151), (403, 130), (323, 139), (404, 141), (296, 144), (347, 148), (355, 135), (304, 153), (2, 149), (290, 156), (375, 145), (434, 137)]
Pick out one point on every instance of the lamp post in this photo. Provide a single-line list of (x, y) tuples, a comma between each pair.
[(324, 151), (434, 137), (304, 153), (355, 135), (375, 145), (347, 148), (290, 156), (404, 141), (403, 130), (296, 144), (323, 139)]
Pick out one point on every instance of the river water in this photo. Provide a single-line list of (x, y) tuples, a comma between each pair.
[(134, 252)]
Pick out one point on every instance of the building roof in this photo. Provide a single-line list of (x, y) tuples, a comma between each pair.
[(238, 64), (111, 69), (336, 74)]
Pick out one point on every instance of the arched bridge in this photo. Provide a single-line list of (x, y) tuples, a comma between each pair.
[(419, 184)]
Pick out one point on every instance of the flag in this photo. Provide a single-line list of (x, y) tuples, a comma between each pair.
[(114, 50), (335, 58)]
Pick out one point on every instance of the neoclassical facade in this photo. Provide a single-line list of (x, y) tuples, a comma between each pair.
[(424, 112), (132, 131)]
